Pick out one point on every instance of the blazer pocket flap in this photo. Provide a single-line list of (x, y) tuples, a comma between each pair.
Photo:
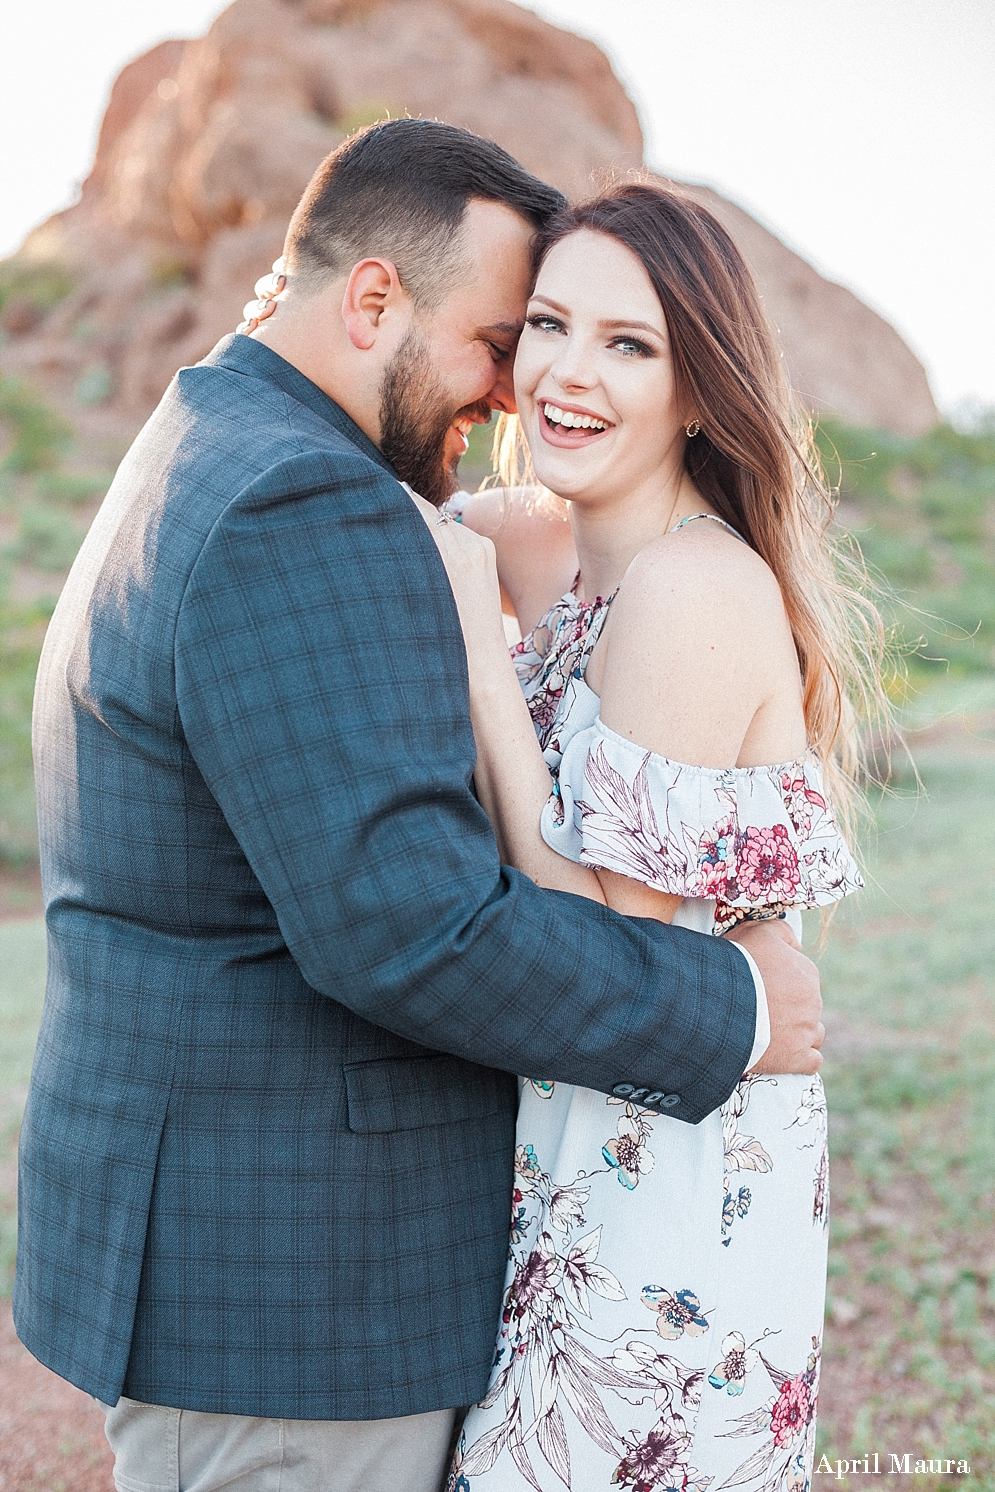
[(394, 1093)]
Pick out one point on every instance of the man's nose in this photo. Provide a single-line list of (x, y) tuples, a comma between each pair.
[(502, 394)]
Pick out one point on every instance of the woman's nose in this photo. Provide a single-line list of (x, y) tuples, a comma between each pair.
[(574, 368)]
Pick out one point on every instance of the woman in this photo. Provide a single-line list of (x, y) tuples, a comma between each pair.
[(684, 631)]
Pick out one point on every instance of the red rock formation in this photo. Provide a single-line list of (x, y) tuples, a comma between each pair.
[(844, 358), (207, 145)]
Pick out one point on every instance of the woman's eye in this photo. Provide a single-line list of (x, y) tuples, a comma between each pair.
[(632, 347), (542, 323)]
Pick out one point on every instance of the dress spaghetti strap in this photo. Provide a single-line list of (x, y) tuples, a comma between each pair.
[(715, 519)]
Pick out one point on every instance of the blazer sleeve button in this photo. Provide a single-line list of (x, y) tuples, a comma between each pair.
[(623, 1090), (670, 1101)]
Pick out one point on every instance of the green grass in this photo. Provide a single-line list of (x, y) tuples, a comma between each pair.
[(22, 628), (22, 987), (910, 993), (923, 512), (45, 508), (910, 1009), (909, 984), (43, 282), (37, 435)]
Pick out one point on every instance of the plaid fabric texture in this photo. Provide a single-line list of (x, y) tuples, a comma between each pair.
[(266, 1160)]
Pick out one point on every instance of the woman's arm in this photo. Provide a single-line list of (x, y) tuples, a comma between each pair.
[(511, 777), (533, 545)]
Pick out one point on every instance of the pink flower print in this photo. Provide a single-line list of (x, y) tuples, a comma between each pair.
[(627, 1153), (797, 787), (792, 1410), (715, 853), (767, 866), (800, 800)]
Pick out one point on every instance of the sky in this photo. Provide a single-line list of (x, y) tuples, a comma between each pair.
[(861, 131)]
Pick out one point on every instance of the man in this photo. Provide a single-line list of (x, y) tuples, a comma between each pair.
[(266, 1161)]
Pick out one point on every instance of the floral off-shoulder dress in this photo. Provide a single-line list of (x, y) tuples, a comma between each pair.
[(664, 1300)]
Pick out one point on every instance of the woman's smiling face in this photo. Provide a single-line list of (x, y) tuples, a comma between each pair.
[(594, 378)]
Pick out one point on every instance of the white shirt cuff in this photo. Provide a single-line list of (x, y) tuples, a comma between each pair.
[(761, 1037)]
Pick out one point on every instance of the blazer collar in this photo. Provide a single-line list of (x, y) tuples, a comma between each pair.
[(245, 355)]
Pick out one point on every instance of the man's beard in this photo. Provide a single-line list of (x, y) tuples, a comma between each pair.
[(416, 416)]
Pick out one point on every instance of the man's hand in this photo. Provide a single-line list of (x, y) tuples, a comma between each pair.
[(793, 998)]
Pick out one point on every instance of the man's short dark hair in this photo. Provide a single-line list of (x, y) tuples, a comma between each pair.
[(399, 191)]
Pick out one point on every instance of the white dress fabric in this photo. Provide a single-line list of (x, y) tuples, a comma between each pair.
[(664, 1300)]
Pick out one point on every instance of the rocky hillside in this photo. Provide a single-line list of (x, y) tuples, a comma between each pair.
[(206, 146)]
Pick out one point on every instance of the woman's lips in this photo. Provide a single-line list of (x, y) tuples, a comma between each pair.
[(555, 433)]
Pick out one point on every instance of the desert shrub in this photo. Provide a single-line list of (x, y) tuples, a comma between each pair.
[(38, 285), (923, 512), (38, 435), (46, 540), (169, 272), (22, 629), (95, 386), (70, 488)]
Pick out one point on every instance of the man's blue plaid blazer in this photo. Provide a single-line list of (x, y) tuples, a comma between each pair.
[(266, 1161)]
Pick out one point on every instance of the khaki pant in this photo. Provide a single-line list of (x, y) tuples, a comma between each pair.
[(157, 1449)]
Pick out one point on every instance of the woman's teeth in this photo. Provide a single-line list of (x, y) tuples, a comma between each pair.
[(570, 421)]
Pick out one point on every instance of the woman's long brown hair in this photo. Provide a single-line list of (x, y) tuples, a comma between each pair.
[(754, 458)]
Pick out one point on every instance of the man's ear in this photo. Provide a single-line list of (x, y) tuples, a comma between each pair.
[(373, 287)]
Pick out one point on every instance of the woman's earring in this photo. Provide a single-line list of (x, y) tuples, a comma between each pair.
[(692, 429)]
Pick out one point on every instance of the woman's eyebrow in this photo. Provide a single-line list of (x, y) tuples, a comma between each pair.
[(608, 325), (547, 302), (641, 325)]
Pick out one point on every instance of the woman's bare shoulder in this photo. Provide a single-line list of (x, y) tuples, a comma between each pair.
[(697, 643), (697, 616), (701, 571)]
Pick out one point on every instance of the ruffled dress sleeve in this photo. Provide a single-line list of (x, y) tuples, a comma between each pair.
[(752, 839)]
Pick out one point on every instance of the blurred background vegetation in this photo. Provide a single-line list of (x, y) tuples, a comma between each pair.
[(923, 512), (909, 991), (47, 500), (910, 997)]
